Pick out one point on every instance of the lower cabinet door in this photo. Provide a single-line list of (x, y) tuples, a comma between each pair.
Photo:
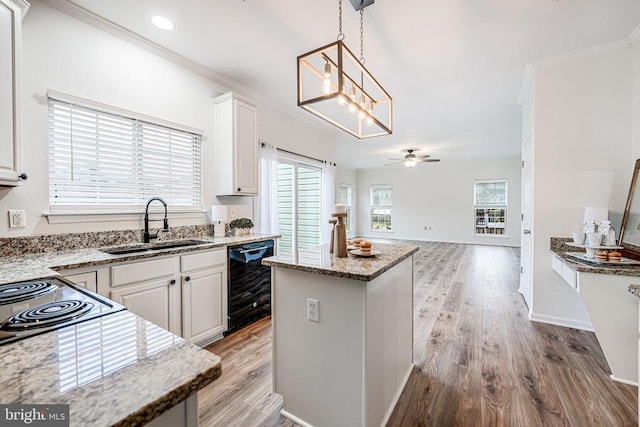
[(86, 280), (157, 301), (204, 300)]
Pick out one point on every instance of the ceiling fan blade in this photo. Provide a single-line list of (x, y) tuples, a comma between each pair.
[(399, 160), (426, 156), (391, 164), (429, 160)]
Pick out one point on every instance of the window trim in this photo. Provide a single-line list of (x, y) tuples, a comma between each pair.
[(372, 206), (348, 206), (504, 206), (96, 213)]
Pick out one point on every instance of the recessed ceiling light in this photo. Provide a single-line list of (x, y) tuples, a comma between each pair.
[(162, 22)]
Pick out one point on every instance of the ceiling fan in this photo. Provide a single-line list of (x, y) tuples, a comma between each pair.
[(410, 159)]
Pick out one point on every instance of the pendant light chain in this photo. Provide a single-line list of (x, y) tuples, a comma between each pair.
[(362, 35), (340, 33)]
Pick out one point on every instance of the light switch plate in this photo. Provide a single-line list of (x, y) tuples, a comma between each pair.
[(17, 219)]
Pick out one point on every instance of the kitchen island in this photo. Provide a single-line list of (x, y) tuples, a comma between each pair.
[(349, 365)]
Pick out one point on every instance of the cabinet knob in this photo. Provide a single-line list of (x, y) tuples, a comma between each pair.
[(187, 278), (526, 231), (239, 189), (173, 282), (23, 176)]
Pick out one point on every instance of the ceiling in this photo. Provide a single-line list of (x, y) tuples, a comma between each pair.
[(453, 67)]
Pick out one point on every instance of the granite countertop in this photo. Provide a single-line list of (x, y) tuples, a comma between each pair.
[(558, 246), (318, 260), (116, 369), (37, 265)]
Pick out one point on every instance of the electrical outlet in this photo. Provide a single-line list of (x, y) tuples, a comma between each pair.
[(313, 310), (17, 219), (233, 213)]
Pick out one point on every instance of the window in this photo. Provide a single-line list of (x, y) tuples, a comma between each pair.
[(490, 207), (381, 207), (110, 160), (299, 205), (344, 197)]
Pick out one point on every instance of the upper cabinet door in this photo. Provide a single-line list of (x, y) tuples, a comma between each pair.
[(10, 102), (236, 146)]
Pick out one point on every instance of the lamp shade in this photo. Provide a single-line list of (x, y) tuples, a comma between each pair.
[(595, 214), (219, 213)]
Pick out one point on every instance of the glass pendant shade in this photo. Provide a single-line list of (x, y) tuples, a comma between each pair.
[(325, 73)]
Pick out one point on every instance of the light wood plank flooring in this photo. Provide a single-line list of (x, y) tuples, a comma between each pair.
[(479, 360)]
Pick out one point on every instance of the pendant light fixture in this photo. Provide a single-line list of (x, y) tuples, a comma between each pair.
[(335, 86)]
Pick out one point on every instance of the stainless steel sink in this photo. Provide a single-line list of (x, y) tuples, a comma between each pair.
[(146, 247), (170, 244)]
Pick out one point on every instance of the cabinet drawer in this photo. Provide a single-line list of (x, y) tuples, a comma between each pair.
[(200, 260), (142, 271)]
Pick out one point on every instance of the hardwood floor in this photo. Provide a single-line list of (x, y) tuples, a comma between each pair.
[(479, 360)]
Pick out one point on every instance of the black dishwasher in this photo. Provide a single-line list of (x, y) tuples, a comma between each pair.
[(249, 291)]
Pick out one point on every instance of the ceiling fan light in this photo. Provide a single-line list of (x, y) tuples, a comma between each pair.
[(410, 163)]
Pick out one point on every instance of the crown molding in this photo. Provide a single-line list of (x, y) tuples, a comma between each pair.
[(529, 73), (88, 17), (223, 83), (23, 5), (582, 53)]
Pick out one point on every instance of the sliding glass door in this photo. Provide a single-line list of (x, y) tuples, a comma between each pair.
[(299, 205)]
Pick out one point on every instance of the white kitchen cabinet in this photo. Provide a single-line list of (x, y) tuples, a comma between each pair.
[(86, 280), (11, 13), (204, 296), (157, 301), (185, 294), (236, 145)]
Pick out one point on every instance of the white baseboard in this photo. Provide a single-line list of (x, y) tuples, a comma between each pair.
[(294, 418), (394, 402), (623, 381), (385, 420), (561, 321)]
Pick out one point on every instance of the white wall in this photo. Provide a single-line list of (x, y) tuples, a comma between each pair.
[(636, 100), (346, 175), (63, 54), (582, 157), (439, 196)]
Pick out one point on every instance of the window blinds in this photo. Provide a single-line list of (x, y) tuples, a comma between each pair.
[(100, 160)]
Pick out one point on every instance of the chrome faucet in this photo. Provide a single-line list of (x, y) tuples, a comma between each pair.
[(147, 237)]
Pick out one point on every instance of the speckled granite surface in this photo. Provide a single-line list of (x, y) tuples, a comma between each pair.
[(635, 290), (117, 369), (33, 266), (558, 247), (318, 260), (13, 246)]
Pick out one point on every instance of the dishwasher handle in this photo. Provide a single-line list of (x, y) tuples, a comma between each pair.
[(244, 251)]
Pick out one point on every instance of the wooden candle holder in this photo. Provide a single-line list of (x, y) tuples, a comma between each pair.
[(340, 236)]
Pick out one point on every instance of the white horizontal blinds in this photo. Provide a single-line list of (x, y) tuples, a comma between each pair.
[(309, 206), (101, 160), (491, 192)]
